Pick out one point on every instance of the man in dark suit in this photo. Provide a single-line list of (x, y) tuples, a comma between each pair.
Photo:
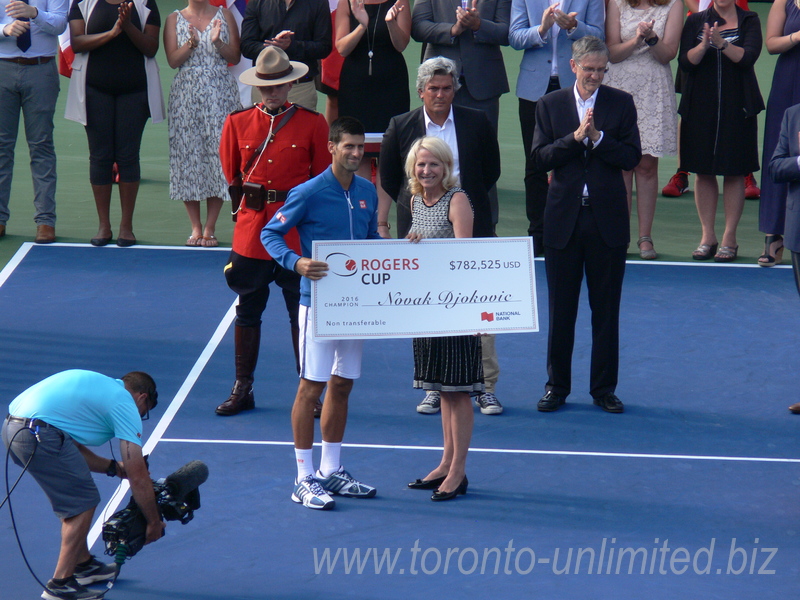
[(468, 133), (477, 167), (785, 168), (586, 135)]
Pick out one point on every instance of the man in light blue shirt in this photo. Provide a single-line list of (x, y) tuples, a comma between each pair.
[(29, 83), (47, 430)]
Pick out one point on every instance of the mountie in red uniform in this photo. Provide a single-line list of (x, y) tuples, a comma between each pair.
[(296, 152)]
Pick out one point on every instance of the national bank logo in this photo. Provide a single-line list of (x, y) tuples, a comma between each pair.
[(500, 316)]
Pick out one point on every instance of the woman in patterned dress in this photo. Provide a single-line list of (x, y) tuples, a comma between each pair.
[(200, 41), (642, 38), (450, 365)]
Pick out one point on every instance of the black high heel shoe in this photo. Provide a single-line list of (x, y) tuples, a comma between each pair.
[(461, 489), (773, 251), (426, 484)]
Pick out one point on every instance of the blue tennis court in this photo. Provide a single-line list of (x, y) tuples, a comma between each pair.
[(691, 493)]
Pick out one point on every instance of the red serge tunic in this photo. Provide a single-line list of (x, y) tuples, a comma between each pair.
[(298, 152)]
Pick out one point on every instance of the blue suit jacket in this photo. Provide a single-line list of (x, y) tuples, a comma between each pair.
[(783, 168), (537, 62)]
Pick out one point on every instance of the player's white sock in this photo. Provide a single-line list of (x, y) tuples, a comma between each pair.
[(331, 453), (305, 462)]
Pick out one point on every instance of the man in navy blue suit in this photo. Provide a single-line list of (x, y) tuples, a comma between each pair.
[(586, 135)]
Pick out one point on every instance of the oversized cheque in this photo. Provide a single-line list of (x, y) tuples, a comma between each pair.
[(438, 287)]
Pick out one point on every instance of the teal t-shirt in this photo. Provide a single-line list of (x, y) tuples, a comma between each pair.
[(91, 407)]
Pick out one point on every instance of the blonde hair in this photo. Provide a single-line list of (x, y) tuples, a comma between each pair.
[(441, 151)]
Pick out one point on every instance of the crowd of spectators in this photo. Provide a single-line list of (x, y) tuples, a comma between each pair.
[(354, 53)]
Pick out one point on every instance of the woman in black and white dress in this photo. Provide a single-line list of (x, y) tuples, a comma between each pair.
[(450, 365)]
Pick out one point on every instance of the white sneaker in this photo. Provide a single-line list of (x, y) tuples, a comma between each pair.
[(430, 404), (309, 492), (342, 483)]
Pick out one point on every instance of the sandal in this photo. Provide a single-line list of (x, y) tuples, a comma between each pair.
[(195, 240), (773, 251), (726, 254), (704, 251), (647, 254), (210, 241)]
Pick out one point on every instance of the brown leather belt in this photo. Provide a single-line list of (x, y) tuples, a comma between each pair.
[(36, 60)]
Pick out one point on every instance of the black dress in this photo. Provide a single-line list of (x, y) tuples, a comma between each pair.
[(720, 100), (374, 98), (445, 364)]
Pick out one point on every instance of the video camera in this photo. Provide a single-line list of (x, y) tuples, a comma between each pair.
[(177, 497)]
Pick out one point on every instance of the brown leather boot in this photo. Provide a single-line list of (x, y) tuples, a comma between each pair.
[(247, 342)]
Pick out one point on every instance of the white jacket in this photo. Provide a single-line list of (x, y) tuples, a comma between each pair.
[(76, 98)]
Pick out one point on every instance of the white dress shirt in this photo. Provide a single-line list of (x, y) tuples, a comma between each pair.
[(446, 132)]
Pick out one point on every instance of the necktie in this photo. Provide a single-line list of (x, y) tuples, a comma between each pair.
[(24, 41)]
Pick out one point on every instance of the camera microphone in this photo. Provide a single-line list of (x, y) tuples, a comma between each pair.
[(186, 479), (177, 497)]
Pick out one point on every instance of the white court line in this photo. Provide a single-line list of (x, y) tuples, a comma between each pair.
[(14, 262), (167, 418), (502, 451)]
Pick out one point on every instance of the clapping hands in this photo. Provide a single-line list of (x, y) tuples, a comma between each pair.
[(216, 31), (469, 18), (394, 11), (360, 12), (587, 129), (194, 37), (283, 40), (645, 29)]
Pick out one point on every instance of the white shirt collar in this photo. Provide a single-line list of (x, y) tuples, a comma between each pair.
[(428, 121), (582, 104)]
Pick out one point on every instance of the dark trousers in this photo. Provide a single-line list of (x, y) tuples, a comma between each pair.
[(605, 269), (535, 181), (250, 279), (114, 126)]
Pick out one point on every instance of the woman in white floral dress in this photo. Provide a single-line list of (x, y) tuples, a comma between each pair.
[(200, 41), (643, 37)]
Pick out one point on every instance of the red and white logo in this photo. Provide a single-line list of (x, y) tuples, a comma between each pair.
[(487, 316), (362, 203)]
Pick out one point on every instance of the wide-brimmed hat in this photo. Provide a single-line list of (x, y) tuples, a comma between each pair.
[(273, 67)]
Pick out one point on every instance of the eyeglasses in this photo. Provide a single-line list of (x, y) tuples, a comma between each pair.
[(151, 402), (592, 71)]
